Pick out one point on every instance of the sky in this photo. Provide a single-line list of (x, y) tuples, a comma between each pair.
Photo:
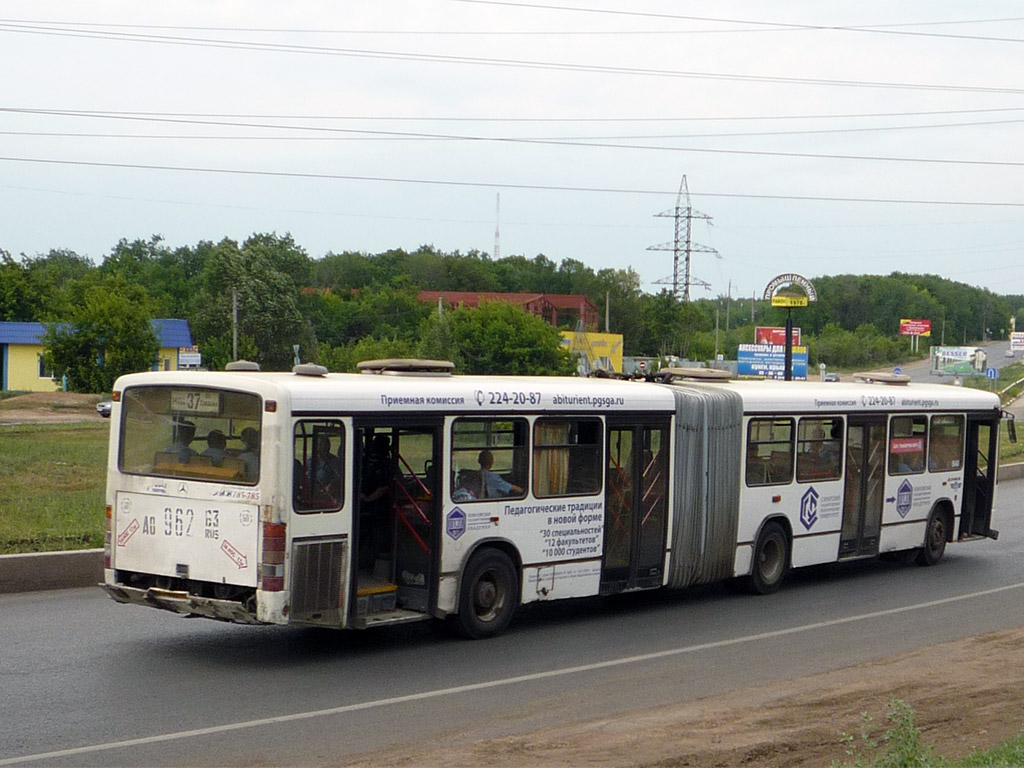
[(848, 137)]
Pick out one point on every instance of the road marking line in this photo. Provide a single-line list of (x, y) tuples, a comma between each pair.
[(499, 683)]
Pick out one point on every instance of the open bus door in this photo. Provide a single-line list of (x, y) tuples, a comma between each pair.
[(864, 487), (636, 506), (980, 465), (395, 527)]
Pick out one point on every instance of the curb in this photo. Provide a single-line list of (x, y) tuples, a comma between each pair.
[(84, 568), (50, 570)]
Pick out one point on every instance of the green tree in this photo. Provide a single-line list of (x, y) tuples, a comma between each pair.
[(500, 338), (19, 298), (268, 312), (108, 334)]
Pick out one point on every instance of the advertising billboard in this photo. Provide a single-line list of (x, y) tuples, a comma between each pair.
[(915, 327), (1017, 341), (958, 361), (769, 361), (770, 334)]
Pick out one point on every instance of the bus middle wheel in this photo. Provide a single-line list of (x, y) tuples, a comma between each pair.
[(770, 561), (489, 595)]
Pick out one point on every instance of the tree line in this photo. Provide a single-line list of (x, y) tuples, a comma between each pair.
[(349, 306)]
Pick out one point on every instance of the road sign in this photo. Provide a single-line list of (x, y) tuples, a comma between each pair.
[(991, 373), (897, 370)]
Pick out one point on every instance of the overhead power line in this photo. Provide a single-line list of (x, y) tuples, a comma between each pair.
[(512, 63), (500, 185)]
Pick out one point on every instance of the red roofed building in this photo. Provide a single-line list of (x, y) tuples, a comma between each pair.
[(567, 309)]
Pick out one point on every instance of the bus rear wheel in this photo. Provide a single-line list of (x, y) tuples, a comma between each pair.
[(770, 562), (489, 595), (934, 539)]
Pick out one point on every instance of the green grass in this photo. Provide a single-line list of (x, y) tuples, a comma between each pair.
[(900, 746), (54, 477)]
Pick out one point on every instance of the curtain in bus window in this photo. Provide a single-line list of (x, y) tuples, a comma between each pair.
[(551, 458)]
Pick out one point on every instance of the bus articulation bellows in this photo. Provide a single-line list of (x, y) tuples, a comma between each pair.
[(405, 493)]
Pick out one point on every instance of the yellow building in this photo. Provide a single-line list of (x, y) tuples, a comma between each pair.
[(597, 351), (21, 353)]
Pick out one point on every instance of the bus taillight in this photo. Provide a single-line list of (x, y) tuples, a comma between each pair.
[(272, 557), (107, 525)]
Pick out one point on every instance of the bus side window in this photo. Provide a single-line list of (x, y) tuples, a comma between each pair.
[(946, 444), (318, 467), (489, 459), (906, 444), (769, 451), (566, 457), (819, 449)]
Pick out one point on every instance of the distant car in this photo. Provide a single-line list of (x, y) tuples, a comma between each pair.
[(831, 377), (1008, 353), (103, 408)]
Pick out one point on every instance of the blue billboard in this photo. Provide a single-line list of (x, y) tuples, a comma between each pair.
[(769, 361)]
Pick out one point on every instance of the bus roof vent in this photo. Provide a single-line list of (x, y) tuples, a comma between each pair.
[(403, 366), (883, 378), (309, 369), (242, 365), (668, 375)]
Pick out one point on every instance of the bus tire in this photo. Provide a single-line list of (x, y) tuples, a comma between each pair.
[(770, 560), (488, 596), (935, 533)]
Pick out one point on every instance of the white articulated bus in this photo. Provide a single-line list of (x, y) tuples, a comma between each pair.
[(406, 493)]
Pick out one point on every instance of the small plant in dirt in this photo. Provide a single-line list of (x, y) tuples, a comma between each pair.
[(900, 746)]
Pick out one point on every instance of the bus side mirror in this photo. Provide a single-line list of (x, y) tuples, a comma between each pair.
[(1011, 426)]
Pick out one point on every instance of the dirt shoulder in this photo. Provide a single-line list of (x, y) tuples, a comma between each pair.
[(49, 408), (966, 695)]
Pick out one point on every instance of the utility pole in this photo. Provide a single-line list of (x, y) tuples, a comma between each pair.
[(682, 246)]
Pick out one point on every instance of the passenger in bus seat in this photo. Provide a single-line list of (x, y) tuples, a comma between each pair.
[(251, 453), (494, 486), (326, 467), (184, 433), (217, 447)]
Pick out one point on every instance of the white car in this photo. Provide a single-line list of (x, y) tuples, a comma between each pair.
[(103, 408), (1008, 353)]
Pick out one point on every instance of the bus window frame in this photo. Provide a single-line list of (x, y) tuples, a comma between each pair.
[(816, 445), (321, 426), (915, 420), (573, 450), (956, 465), (765, 463), (203, 468), (518, 428)]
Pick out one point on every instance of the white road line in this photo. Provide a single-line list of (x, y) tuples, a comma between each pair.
[(438, 693)]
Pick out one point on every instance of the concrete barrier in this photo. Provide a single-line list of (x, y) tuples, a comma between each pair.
[(51, 570), (1010, 472)]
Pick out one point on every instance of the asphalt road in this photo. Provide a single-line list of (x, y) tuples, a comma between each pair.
[(85, 681)]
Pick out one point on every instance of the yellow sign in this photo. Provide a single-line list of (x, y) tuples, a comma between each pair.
[(788, 300)]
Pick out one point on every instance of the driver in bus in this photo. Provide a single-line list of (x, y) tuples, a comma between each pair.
[(493, 485)]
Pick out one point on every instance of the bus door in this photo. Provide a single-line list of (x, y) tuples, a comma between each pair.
[(979, 476), (636, 505), (864, 490), (395, 526)]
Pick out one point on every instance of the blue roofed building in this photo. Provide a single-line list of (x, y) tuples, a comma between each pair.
[(21, 353)]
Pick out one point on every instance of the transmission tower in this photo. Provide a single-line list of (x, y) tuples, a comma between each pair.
[(497, 228), (682, 246)]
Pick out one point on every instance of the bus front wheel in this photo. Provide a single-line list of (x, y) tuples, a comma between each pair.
[(771, 560), (934, 539), (489, 594)]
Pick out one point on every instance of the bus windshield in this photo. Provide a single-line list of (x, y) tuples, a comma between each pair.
[(191, 433)]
